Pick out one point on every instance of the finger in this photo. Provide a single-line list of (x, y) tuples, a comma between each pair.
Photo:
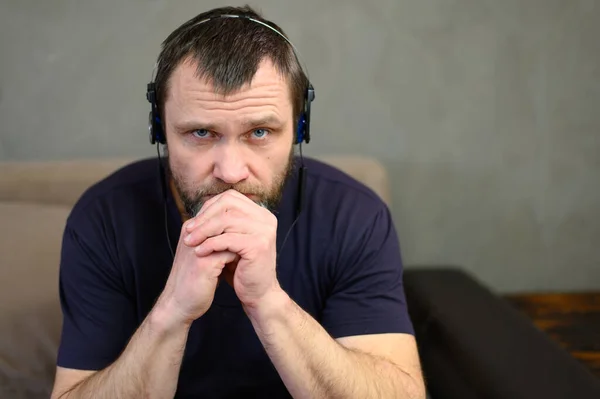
[(228, 197), (189, 224), (239, 195), (228, 201), (216, 226), (231, 193), (213, 264), (239, 243), (227, 222), (230, 220), (210, 201)]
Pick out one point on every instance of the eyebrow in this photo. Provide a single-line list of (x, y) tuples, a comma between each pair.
[(270, 120), (194, 125), (261, 121)]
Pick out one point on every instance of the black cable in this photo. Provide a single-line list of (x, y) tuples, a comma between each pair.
[(299, 200), (163, 186), (286, 237)]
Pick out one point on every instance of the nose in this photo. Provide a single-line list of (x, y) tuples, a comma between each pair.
[(230, 166)]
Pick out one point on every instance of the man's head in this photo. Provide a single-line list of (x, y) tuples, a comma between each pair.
[(229, 93)]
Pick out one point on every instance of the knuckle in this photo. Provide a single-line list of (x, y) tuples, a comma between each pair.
[(272, 228), (232, 214), (224, 211), (187, 237), (227, 215), (186, 224), (264, 242), (229, 194)]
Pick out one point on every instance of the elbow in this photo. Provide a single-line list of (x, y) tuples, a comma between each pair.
[(415, 388)]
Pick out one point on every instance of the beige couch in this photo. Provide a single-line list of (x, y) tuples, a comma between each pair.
[(35, 200)]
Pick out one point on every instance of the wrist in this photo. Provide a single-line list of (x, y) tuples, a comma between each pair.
[(164, 317), (272, 306)]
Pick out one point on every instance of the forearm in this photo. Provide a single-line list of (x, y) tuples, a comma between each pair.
[(312, 364), (148, 367)]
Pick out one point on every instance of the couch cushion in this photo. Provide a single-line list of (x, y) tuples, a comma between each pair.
[(53, 182), (30, 317), (368, 171)]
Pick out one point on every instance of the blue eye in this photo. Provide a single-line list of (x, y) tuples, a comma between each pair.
[(201, 133), (260, 133)]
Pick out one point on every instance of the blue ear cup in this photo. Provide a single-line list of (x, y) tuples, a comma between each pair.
[(155, 129), (300, 129), (303, 128), (154, 123), (158, 130)]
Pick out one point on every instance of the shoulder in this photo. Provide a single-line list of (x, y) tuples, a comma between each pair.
[(118, 192), (342, 213), (331, 188)]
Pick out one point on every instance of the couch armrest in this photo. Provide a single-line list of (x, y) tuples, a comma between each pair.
[(475, 344)]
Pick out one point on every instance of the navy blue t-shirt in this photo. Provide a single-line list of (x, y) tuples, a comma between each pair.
[(341, 263)]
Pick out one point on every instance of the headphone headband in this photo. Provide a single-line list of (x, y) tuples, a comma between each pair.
[(303, 129)]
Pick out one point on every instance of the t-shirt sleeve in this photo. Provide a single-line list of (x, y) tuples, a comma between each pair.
[(367, 294), (98, 314)]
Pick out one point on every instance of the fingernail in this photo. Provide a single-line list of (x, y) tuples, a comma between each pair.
[(187, 238), (191, 223)]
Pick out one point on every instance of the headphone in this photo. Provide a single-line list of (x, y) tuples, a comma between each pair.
[(157, 134)]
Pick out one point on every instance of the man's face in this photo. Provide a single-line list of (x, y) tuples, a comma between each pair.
[(242, 141)]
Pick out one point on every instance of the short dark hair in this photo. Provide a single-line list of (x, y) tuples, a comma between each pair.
[(228, 52)]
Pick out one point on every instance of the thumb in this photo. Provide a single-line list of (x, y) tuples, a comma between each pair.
[(214, 263), (229, 270)]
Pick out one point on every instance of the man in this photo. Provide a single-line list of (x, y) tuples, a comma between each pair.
[(258, 300)]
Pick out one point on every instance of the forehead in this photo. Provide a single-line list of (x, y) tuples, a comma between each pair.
[(267, 86)]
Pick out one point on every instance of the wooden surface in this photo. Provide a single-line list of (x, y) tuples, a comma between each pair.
[(572, 320)]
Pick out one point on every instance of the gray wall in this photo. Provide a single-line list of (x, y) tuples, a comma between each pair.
[(487, 113)]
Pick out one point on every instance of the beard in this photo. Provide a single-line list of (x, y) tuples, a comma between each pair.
[(193, 196)]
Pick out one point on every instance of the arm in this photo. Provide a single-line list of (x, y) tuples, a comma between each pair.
[(97, 315), (148, 367), (312, 364), (375, 356)]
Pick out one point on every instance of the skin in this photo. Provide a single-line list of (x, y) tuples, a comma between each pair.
[(223, 167), (241, 142)]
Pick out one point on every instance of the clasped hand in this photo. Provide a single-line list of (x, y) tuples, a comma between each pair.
[(233, 237)]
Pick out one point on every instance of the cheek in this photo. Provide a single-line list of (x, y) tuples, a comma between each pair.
[(275, 164), (175, 163), (187, 170), (180, 168)]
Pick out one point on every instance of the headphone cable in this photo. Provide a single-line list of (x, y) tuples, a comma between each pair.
[(163, 185)]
